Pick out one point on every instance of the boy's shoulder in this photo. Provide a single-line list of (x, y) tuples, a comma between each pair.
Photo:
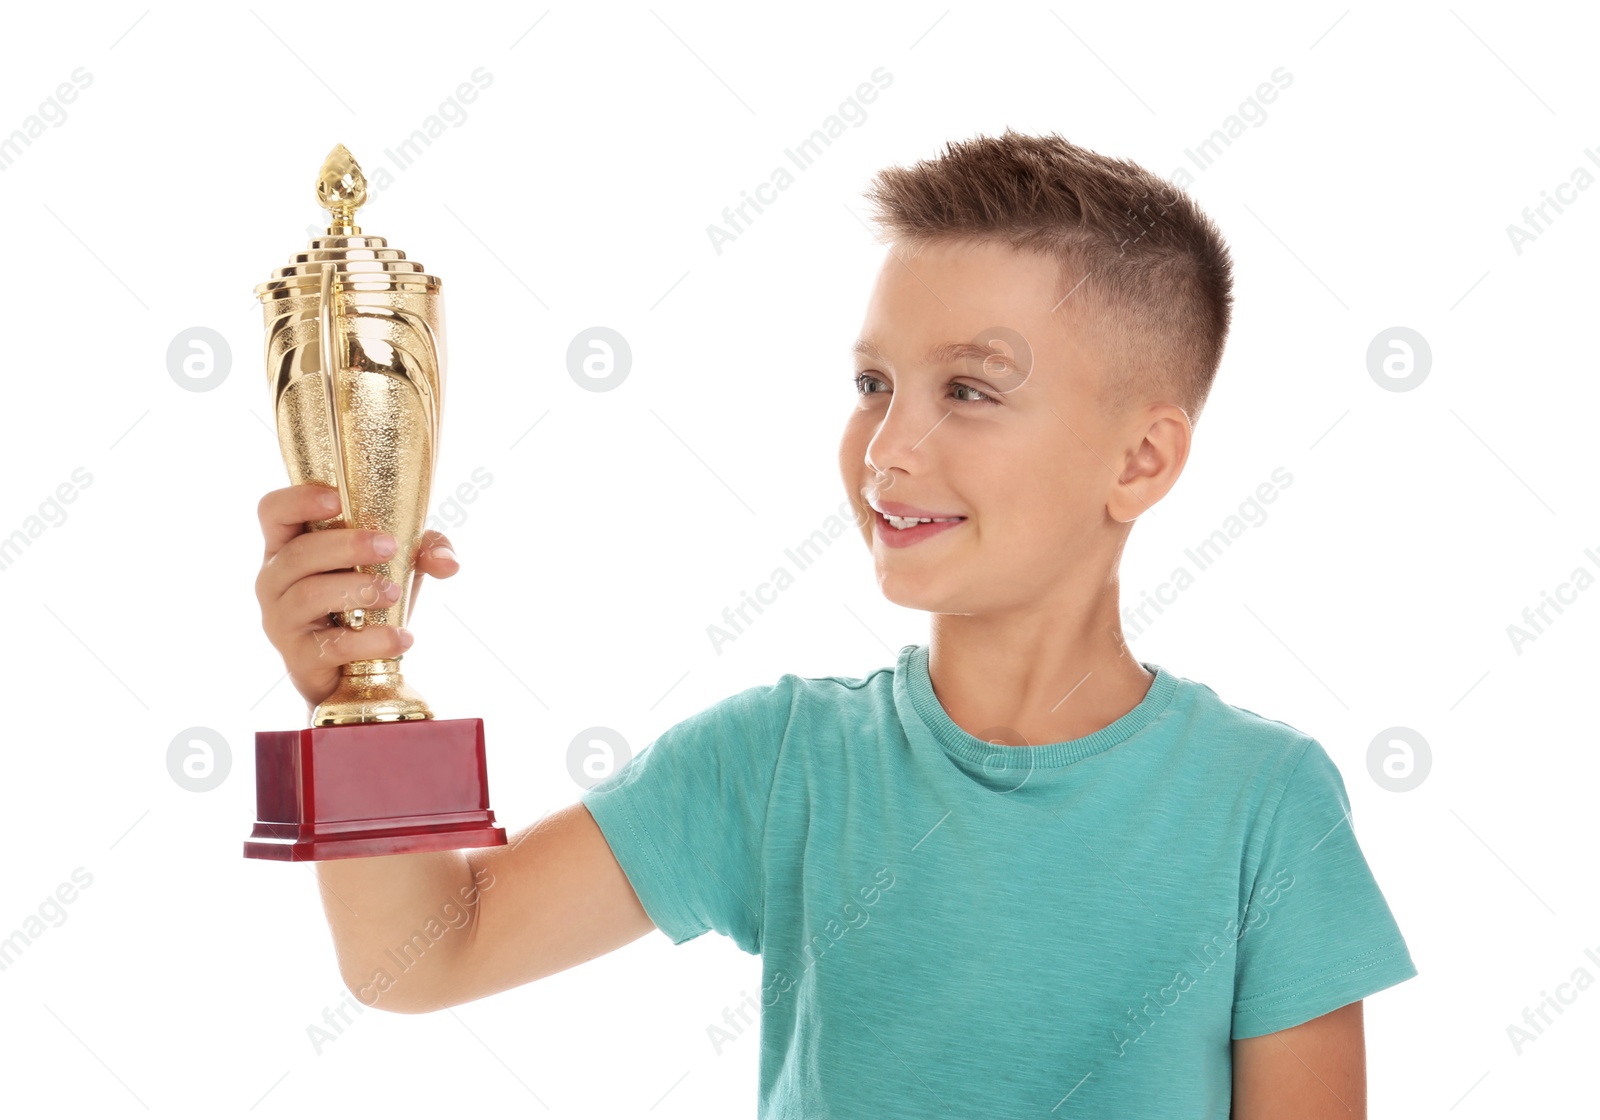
[(775, 704), (1208, 723), (825, 690)]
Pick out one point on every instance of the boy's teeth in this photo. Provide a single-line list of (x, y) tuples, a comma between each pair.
[(907, 522)]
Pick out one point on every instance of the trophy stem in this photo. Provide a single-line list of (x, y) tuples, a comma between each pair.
[(370, 692)]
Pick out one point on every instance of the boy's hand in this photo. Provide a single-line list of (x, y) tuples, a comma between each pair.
[(305, 576)]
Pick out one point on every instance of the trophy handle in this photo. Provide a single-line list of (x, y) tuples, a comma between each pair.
[(411, 600), (329, 341), (330, 344)]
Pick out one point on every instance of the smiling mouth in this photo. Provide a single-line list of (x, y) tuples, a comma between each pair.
[(903, 523), (904, 532)]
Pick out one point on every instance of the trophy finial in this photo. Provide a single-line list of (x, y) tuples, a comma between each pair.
[(341, 187)]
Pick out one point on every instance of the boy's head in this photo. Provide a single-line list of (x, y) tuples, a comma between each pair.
[(1105, 296)]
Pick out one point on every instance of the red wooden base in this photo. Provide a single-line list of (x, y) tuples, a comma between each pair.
[(372, 789)]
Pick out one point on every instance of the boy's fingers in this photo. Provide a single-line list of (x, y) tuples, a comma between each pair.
[(309, 601), (441, 567), (332, 646), (283, 513), (307, 554), (431, 560), (434, 558)]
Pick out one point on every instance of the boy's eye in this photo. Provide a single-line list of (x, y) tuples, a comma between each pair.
[(863, 380)]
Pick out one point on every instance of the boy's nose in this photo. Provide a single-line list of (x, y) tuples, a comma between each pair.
[(898, 441)]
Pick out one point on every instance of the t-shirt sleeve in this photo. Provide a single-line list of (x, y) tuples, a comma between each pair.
[(685, 817), (1317, 933)]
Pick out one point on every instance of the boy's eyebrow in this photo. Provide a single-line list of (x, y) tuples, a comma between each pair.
[(941, 354)]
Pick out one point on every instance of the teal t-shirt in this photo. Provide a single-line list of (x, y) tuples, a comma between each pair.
[(949, 927)]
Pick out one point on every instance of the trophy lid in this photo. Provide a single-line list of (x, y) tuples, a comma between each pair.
[(341, 188), (363, 262)]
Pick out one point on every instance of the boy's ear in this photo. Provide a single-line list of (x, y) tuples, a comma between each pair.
[(1159, 449)]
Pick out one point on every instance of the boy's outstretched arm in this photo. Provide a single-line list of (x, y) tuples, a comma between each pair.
[(551, 898), (1315, 1071), (428, 930)]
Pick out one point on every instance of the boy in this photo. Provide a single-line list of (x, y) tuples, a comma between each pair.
[(1019, 872)]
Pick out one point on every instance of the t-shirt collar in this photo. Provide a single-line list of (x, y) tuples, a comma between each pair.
[(913, 682)]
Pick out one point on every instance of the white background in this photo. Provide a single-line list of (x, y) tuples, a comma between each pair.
[(577, 191)]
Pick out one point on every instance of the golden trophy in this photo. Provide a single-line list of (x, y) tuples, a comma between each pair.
[(355, 358)]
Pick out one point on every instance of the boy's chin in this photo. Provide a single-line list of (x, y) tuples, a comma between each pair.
[(918, 594)]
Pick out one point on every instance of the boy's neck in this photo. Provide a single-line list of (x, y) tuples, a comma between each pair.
[(1032, 681)]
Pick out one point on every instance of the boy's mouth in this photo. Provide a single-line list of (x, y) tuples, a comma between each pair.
[(903, 516), (907, 526)]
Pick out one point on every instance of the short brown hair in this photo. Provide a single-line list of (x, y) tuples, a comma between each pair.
[(1154, 271)]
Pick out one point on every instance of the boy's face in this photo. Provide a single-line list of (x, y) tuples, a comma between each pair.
[(1019, 452)]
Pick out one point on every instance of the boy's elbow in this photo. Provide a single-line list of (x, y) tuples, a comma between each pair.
[(383, 993)]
